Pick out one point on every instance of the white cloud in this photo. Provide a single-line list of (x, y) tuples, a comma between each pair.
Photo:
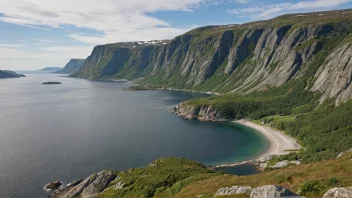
[(242, 1), (20, 57), (117, 20), (267, 11), (113, 20), (9, 45)]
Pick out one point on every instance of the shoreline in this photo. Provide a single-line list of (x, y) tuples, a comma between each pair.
[(280, 144)]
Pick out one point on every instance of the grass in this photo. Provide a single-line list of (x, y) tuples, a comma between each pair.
[(276, 119), (321, 175), (162, 178)]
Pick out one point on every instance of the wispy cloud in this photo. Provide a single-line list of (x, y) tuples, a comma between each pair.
[(117, 20), (242, 1), (270, 10), (10, 45), (20, 57)]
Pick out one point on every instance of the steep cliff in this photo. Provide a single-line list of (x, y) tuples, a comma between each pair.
[(239, 58), (72, 66)]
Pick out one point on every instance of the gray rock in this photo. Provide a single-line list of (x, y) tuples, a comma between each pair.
[(119, 185), (99, 183), (342, 153), (89, 187), (271, 191), (203, 113), (285, 163), (339, 193), (334, 76), (53, 185), (234, 190)]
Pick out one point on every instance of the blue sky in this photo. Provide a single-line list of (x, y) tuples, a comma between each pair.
[(47, 33)]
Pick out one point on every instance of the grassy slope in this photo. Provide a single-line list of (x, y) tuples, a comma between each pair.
[(176, 177), (312, 180), (164, 178)]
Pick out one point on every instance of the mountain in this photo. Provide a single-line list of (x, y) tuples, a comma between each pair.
[(240, 58), (72, 66), (10, 74), (49, 69)]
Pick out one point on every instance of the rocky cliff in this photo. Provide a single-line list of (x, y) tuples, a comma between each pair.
[(72, 66), (203, 112), (239, 58)]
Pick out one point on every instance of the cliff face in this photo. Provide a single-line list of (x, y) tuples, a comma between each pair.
[(203, 113), (72, 66), (239, 58)]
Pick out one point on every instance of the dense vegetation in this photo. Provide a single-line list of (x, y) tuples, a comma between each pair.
[(323, 130), (163, 177)]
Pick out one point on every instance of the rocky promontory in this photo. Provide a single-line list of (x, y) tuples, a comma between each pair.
[(200, 112), (10, 74)]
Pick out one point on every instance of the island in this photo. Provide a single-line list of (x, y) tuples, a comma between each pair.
[(51, 83)]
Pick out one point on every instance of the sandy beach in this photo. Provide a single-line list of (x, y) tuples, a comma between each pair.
[(280, 143)]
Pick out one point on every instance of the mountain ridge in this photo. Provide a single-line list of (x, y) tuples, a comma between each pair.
[(239, 59)]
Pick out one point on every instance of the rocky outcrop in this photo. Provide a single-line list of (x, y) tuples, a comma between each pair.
[(335, 76), (53, 185), (203, 113), (271, 191), (268, 191), (89, 187), (343, 153), (234, 190), (339, 193), (285, 163)]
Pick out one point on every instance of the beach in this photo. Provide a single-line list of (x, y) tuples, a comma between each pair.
[(280, 143)]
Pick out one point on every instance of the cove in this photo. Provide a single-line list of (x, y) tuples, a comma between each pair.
[(69, 131)]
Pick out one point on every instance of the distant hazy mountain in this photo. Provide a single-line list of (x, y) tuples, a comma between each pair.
[(10, 74), (50, 69), (72, 66)]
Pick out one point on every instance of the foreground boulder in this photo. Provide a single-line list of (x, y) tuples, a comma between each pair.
[(234, 190), (89, 187), (339, 193), (271, 191)]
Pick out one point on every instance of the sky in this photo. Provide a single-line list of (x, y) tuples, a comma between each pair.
[(47, 33)]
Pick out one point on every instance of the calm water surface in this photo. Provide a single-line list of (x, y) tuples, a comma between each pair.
[(64, 132)]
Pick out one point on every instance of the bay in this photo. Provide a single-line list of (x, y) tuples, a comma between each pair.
[(69, 131)]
